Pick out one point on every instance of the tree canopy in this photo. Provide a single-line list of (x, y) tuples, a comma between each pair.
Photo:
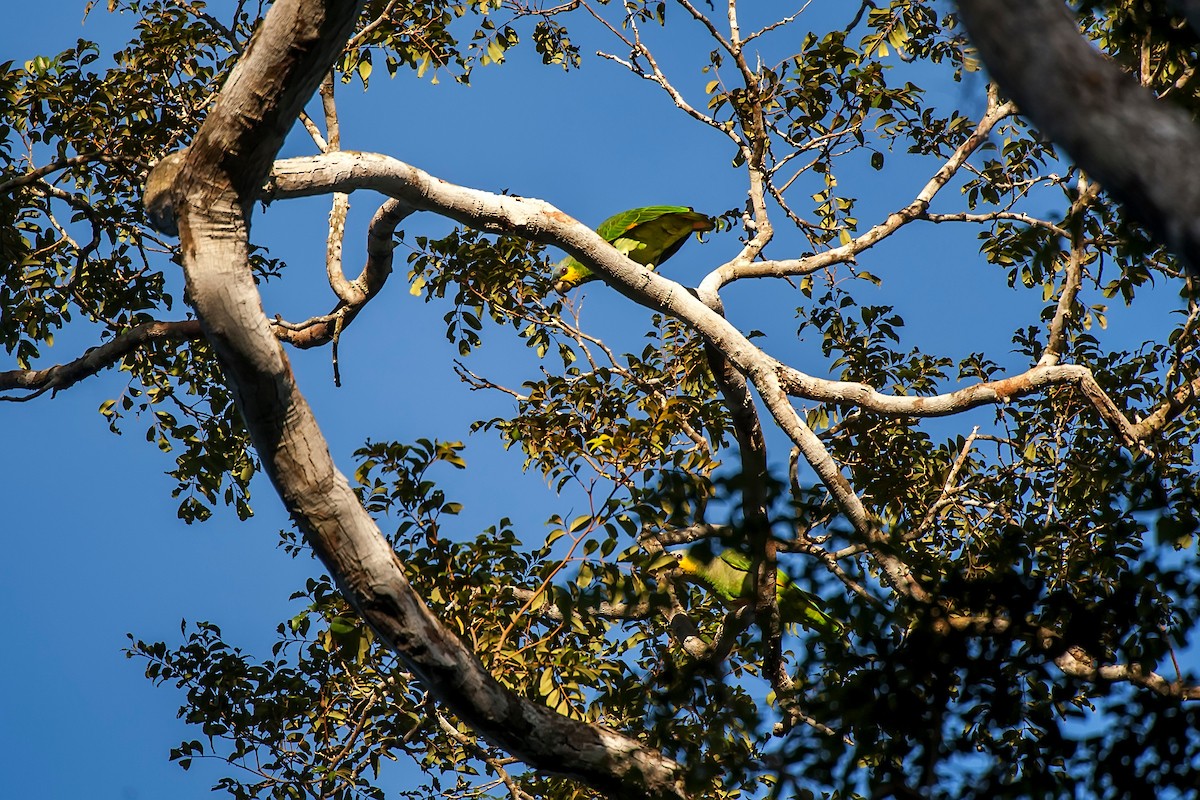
[(981, 467)]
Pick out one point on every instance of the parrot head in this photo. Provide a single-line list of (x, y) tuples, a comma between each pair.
[(568, 274)]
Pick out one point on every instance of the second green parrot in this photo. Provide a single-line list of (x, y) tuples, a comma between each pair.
[(727, 574), (648, 235)]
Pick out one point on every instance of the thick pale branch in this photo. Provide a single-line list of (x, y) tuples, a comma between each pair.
[(532, 219), (541, 222)]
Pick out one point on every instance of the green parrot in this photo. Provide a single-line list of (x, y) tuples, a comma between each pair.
[(647, 235), (727, 574)]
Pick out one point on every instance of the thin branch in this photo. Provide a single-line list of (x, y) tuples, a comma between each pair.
[(314, 132), (380, 248), (341, 287), (1056, 339), (707, 23), (739, 269), (63, 163), (777, 24), (329, 106), (997, 215), (692, 533), (493, 763), (62, 376), (897, 574), (373, 25), (949, 487)]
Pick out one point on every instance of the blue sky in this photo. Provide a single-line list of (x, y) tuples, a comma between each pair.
[(94, 546)]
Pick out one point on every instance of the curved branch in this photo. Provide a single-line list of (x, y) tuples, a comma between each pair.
[(1033, 380), (380, 249), (312, 333), (539, 221)]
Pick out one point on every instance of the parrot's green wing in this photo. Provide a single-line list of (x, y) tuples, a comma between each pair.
[(722, 578), (648, 235), (727, 574)]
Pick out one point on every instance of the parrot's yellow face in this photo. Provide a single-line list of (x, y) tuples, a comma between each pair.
[(687, 562), (569, 274)]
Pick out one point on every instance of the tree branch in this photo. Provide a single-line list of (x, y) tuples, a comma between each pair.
[(1035, 379), (739, 269), (539, 221), (380, 251), (209, 198), (62, 376), (62, 163), (1071, 659)]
